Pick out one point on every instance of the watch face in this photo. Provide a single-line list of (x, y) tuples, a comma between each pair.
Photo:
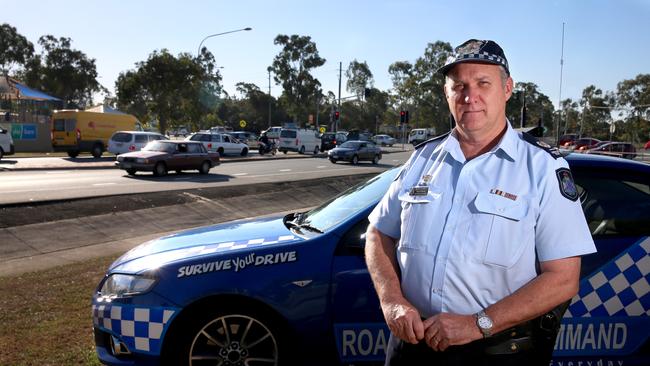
[(484, 322)]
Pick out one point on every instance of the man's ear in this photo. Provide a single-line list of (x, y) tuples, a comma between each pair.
[(509, 87)]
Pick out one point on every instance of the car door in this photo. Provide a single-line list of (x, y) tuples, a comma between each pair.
[(195, 155), (229, 146), (358, 324)]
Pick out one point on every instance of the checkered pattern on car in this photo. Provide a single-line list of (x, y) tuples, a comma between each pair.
[(141, 329), (620, 288), (248, 243)]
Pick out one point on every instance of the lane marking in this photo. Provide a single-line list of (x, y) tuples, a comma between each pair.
[(240, 174), (103, 184), (285, 170), (320, 167)]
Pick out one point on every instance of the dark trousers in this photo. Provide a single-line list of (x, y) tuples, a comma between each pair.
[(400, 353)]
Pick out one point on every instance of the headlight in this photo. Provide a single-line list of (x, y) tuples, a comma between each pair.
[(120, 285)]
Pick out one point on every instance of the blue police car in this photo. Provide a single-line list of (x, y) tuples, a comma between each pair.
[(295, 290)]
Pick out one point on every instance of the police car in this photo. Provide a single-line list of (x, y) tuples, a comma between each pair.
[(295, 288)]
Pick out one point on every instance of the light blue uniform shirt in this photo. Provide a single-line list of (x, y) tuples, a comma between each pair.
[(467, 239)]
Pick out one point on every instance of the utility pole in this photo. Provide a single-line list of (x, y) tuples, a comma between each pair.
[(339, 107), (269, 70), (559, 105)]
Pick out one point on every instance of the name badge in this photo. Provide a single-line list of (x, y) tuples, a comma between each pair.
[(419, 191)]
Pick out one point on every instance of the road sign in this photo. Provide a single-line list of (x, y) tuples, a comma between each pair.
[(242, 123), (322, 130)]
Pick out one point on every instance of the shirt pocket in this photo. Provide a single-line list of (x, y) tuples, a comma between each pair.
[(418, 214), (502, 227)]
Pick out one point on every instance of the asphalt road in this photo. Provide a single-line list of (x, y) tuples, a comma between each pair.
[(20, 186)]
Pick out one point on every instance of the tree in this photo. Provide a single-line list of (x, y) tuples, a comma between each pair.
[(14, 48), (596, 112), (63, 72), (538, 106), (174, 90), (634, 96), (291, 69), (359, 78)]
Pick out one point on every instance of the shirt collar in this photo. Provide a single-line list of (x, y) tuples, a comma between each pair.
[(508, 144)]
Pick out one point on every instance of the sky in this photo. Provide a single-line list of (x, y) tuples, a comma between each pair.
[(605, 41)]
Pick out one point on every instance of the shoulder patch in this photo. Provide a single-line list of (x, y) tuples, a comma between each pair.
[(555, 153), (431, 140), (567, 187)]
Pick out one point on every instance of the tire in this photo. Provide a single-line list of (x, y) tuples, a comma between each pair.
[(2, 153), (375, 160), (302, 150), (131, 171), (205, 167), (160, 170), (284, 151), (97, 151), (73, 153), (333, 161), (220, 151), (242, 334), (355, 160), (316, 150), (244, 152)]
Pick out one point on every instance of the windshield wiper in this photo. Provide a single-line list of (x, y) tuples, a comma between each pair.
[(299, 225)]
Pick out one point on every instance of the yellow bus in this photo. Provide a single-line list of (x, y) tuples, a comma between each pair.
[(75, 131)]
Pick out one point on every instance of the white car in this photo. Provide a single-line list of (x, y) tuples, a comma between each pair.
[(6, 143), (222, 143), (383, 140), (122, 142)]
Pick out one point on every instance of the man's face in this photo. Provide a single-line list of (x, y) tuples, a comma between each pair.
[(477, 98)]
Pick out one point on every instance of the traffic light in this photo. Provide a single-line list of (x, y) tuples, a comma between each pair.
[(402, 117), (337, 114)]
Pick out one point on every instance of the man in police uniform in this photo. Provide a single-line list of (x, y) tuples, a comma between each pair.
[(479, 238)]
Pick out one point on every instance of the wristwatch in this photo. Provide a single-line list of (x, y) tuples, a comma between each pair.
[(484, 323)]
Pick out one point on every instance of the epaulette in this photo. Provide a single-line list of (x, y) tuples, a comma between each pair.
[(431, 139), (555, 153)]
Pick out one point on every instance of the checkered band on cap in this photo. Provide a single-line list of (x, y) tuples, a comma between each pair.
[(474, 50)]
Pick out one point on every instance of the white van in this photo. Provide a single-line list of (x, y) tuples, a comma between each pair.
[(6, 143), (300, 140), (122, 142), (418, 135)]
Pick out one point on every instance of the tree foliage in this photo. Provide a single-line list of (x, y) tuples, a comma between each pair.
[(539, 107), (181, 90), (63, 72), (15, 49), (291, 68), (359, 78)]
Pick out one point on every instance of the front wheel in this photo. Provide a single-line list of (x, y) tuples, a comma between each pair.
[(355, 160), (73, 153), (97, 151), (316, 150), (244, 152), (160, 170), (302, 150), (231, 336), (333, 161), (131, 171), (375, 160)]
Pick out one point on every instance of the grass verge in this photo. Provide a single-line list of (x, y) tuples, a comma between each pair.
[(45, 317)]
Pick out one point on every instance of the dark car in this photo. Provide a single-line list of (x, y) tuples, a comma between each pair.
[(567, 140), (585, 143), (355, 151), (296, 287), (620, 149), (162, 156)]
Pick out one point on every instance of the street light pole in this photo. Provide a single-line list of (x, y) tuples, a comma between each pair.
[(219, 34)]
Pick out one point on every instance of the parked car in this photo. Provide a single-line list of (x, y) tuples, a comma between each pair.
[(127, 141), (355, 151), (567, 140), (162, 156), (647, 145), (222, 143), (585, 143), (273, 132), (246, 137), (383, 140), (296, 286), (6, 143), (621, 149), (330, 140)]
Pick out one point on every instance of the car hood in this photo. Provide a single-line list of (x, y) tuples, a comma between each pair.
[(209, 240), (143, 154)]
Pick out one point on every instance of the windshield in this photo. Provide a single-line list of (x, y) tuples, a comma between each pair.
[(351, 144), (163, 146), (350, 202)]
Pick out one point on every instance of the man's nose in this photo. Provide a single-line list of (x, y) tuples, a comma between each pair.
[(470, 94)]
